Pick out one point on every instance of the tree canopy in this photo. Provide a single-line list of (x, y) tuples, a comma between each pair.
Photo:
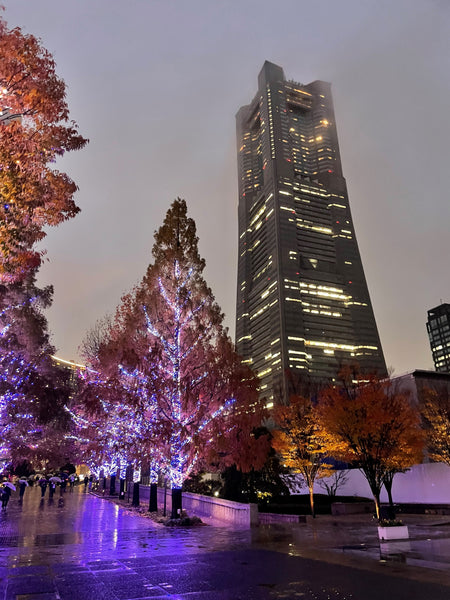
[(295, 439), (35, 130)]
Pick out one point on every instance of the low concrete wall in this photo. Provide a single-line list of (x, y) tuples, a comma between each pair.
[(224, 511), (267, 518), (352, 508)]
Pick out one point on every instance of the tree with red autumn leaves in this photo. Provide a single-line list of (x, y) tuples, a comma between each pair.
[(368, 423), (200, 402), (34, 131)]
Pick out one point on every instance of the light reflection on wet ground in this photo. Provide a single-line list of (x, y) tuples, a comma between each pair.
[(428, 546), (79, 550)]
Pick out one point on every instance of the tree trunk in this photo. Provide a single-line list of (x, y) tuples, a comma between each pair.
[(122, 489), (112, 485), (135, 501), (176, 503), (388, 487), (153, 502), (311, 501), (375, 487), (388, 480), (376, 497)]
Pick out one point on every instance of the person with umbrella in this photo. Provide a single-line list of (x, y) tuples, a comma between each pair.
[(23, 483), (53, 481), (43, 484), (64, 476), (6, 493)]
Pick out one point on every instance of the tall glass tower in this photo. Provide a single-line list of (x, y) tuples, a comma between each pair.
[(438, 327), (302, 299)]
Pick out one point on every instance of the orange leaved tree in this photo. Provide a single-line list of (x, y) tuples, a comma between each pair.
[(366, 422), (34, 131), (436, 414), (296, 441)]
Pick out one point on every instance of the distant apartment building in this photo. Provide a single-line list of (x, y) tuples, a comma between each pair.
[(419, 382), (303, 303), (72, 368), (438, 327)]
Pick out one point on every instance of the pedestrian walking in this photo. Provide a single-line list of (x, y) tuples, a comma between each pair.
[(23, 483), (91, 481), (71, 482), (85, 481), (51, 488), (43, 484), (6, 494), (62, 485)]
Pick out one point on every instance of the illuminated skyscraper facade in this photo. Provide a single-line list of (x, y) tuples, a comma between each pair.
[(302, 300), (438, 327)]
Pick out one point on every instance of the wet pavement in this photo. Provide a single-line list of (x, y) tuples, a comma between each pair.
[(87, 548)]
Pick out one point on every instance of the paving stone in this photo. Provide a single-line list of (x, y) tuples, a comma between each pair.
[(22, 571), (28, 585), (34, 597), (93, 592), (91, 550)]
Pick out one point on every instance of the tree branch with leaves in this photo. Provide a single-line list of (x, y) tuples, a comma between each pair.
[(35, 130)]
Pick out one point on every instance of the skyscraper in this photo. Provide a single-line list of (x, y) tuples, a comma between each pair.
[(438, 327), (302, 300)]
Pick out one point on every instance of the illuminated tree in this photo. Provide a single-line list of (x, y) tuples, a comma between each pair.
[(200, 389), (116, 402), (34, 131), (33, 390), (436, 414), (295, 439), (105, 423), (167, 349), (368, 423)]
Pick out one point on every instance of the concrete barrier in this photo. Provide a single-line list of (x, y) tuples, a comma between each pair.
[(352, 508), (223, 511), (267, 518)]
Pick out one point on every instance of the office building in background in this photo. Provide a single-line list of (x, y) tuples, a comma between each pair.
[(303, 305), (438, 327)]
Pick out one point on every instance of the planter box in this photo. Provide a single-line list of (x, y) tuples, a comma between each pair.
[(399, 532)]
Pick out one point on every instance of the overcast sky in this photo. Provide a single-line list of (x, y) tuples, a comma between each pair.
[(155, 85)]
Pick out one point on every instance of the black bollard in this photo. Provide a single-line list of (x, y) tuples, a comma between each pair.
[(112, 486), (153, 503), (135, 501), (176, 503)]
